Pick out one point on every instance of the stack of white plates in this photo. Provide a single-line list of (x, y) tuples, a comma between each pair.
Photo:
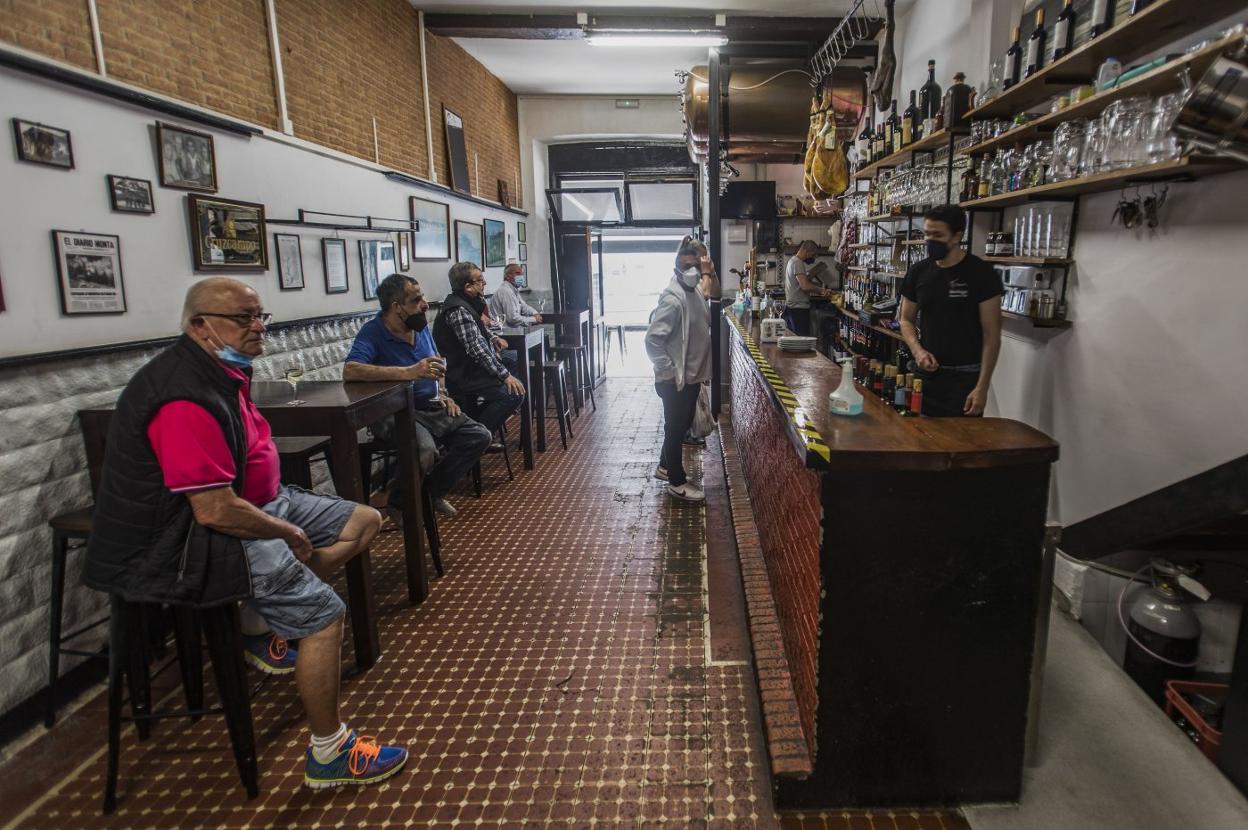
[(796, 343)]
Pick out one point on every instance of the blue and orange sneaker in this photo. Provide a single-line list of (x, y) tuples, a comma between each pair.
[(360, 760), (269, 653)]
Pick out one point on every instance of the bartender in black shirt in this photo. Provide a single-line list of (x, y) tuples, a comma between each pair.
[(951, 318)]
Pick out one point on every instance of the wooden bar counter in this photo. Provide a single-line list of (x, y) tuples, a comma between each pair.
[(904, 556)]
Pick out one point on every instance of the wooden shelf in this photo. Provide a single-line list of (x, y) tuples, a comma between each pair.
[(853, 315), (1161, 80), (1052, 323), (927, 142), (890, 217), (1163, 22), (1102, 182), (1029, 260)]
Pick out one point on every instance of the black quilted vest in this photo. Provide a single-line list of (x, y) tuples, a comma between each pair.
[(145, 543), (463, 373)]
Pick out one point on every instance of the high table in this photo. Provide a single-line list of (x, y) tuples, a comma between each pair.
[(904, 558), (340, 410), (566, 323), (534, 348)]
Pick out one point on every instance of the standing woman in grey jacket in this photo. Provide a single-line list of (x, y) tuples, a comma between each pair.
[(678, 343)]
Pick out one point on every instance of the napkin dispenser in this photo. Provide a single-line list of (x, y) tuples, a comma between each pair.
[(772, 329)]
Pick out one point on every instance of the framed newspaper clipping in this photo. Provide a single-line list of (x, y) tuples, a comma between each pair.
[(88, 267)]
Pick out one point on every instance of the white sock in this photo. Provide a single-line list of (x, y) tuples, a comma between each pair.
[(251, 623), (324, 749)]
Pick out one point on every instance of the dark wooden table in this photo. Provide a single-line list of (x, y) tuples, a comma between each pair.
[(340, 410), (530, 344)]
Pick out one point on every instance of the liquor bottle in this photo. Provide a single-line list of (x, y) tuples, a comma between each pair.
[(983, 184), (911, 124), (877, 379), (1035, 45), (899, 394), (877, 139), (863, 144), (929, 99), (1014, 60), (916, 398), (894, 130), (1102, 17), (1064, 30), (890, 383), (970, 184)]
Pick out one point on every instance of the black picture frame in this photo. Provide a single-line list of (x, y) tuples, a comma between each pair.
[(456, 151), (372, 256), (473, 233), (523, 253), (89, 275), (520, 232), (234, 252), (432, 243), (122, 191), (41, 144), (495, 243), (405, 255), (179, 168), (339, 249), (287, 264)]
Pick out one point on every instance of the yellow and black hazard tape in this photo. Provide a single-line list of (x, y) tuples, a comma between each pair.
[(788, 401)]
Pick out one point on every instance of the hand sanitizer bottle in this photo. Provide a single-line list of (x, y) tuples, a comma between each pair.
[(846, 400)]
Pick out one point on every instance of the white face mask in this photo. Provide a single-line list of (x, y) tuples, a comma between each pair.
[(690, 276)]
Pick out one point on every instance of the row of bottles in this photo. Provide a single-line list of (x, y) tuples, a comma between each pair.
[(1006, 171), (1020, 63), (879, 364), (861, 291), (896, 132)]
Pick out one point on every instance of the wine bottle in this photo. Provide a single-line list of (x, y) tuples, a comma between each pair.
[(899, 394), (1035, 45), (894, 130), (1064, 31), (877, 140), (1102, 17), (863, 144), (1014, 60), (929, 100), (890, 383), (911, 123), (916, 398)]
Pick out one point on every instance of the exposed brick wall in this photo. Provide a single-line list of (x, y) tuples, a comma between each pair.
[(345, 64), (785, 498), (489, 110), (213, 54), (60, 29)]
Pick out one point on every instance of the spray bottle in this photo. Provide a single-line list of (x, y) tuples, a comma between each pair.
[(845, 399)]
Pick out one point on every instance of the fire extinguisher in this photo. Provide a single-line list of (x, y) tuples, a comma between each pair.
[(1163, 633)]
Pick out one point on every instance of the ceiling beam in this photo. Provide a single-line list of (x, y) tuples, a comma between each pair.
[(564, 26)]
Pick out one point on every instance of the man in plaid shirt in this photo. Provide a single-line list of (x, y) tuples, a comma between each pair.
[(475, 376)]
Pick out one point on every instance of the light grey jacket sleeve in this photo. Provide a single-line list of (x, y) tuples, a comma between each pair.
[(665, 326)]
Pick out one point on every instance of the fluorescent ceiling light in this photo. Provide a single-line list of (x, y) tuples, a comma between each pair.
[(656, 39)]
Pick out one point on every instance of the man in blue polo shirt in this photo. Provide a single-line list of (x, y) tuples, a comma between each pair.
[(397, 345)]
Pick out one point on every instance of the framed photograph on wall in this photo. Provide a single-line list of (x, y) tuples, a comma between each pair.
[(469, 243), (41, 144), (433, 241), (376, 263), (524, 252), (495, 243), (456, 151), (129, 195), (227, 235), (88, 267), (188, 159), (520, 237), (334, 257), (289, 261), (405, 257)]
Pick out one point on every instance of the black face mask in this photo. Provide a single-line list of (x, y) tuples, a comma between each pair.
[(478, 304), (417, 321)]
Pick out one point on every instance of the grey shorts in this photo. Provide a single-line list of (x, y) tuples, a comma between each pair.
[(284, 591)]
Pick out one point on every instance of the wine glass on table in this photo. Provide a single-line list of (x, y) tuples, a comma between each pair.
[(292, 375)]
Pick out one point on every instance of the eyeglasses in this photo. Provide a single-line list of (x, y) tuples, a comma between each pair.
[(244, 320)]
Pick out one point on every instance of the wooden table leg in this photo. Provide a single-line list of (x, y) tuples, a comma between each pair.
[(537, 397), (413, 520), (345, 451), (526, 409)]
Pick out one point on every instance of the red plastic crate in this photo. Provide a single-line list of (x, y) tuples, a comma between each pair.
[(1209, 737)]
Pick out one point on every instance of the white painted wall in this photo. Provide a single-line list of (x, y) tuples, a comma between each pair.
[(109, 137), (546, 120), (1149, 386)]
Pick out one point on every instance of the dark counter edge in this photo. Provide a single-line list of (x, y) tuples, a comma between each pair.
[(873, 460)]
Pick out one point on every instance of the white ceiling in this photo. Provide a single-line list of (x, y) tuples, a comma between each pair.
[(550, 67)]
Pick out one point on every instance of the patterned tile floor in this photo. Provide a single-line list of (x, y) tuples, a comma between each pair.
[(558, 675)]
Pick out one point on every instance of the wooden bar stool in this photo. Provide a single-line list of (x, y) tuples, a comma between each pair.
[(127, 661), (377, 449), (67, 527), (296, 455), (556, 382)]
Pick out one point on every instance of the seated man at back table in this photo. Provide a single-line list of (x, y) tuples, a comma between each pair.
[(506, 304), (475, 376), (191, 510), (397, 345)]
